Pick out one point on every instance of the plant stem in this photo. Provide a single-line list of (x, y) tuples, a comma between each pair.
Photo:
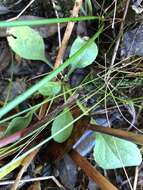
[(47, 62)]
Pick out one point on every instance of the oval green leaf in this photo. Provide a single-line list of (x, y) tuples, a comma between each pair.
[(86, 57), (19, 123), (50, 89), (112, 152), (61, 121), (27, 43)]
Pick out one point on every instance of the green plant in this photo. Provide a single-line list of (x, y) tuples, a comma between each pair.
[(19, 123), (48, 78), (50, 89), (87, 57), (59, 122), (27, 43), (40, 86), (111, 152), (83, 53)]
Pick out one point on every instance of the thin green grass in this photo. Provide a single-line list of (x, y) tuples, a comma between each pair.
[(18, 146), (5, 168), (46, 21), (71, 91), (82, 101)]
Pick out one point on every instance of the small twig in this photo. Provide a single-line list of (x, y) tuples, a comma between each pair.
[(120, 32), (114, 15), (136, 178), (67, 34), (27, 6), (10, 182), (58, 25), (91, 171), (25, 163), (130, 136)]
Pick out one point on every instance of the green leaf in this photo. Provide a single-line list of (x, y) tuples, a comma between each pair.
[(19, 123), (50, 89), (27, 43), (86, 57), (62, 120), (111, 152)]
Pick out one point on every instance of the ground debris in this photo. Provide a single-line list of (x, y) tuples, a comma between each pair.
[(132, 42)]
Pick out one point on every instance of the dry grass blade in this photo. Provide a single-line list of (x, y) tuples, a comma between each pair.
[(67, 34), (136, 178), (120, 32), (25, 163), (26, 7)]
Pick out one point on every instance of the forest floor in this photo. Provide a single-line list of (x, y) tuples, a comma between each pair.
[(71, 95)]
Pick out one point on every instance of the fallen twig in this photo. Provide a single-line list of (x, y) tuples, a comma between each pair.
[(25, 163), (67, 34), (91, 171), (10, 182), (137, 138), (120, 32)]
